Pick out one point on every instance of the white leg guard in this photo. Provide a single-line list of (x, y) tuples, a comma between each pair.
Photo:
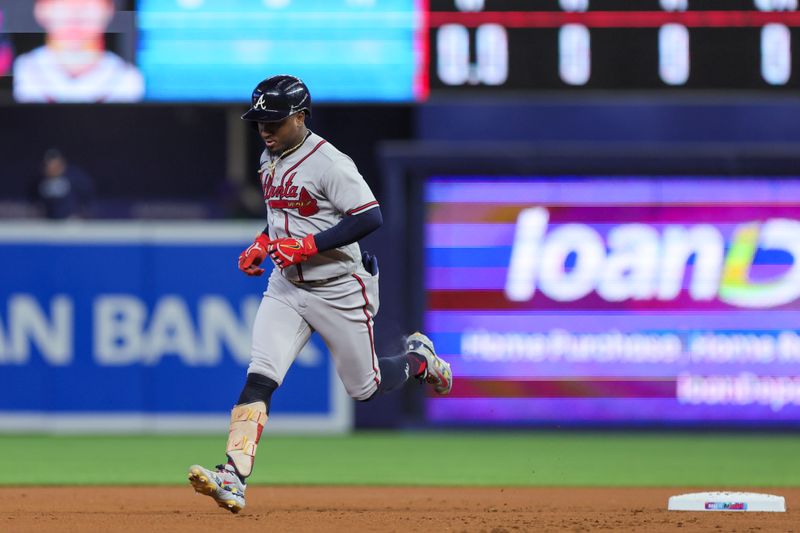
[(247, 423)]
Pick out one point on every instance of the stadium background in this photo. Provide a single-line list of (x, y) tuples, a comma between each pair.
[(462, 116)]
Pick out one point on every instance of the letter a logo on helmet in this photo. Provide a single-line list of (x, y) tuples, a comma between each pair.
[(278, 97), (260, 104)]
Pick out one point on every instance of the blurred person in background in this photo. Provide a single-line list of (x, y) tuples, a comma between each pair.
[(73, 65), (6, 55), (62, 191)]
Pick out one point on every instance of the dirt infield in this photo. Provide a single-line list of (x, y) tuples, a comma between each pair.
[(384, 509)]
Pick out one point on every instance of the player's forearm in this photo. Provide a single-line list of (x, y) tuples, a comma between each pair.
[(349, 229)]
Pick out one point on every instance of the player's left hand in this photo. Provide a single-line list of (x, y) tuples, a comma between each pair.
[(290, 251)]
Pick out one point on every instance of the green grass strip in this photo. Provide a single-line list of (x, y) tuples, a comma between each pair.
[(384, 458)]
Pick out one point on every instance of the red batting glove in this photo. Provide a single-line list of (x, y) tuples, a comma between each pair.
[(253, 256), (287, 252)]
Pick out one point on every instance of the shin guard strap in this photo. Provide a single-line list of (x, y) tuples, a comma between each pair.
[(247, 423)]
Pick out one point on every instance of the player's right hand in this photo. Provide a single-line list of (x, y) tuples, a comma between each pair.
[(253, 256)]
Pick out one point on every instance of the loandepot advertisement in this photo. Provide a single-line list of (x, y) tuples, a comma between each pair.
[(114, 326), (592, 300)]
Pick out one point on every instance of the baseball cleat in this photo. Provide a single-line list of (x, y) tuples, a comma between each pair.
[(437, 371), (221, 484)]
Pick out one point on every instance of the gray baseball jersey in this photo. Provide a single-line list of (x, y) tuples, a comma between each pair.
[(309, 191)]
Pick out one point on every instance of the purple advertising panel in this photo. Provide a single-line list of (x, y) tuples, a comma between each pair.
[(636, 300)]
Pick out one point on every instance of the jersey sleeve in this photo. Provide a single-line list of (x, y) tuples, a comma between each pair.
[(346, 189)]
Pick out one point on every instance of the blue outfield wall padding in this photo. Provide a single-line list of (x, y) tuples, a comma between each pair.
[(136, 326)]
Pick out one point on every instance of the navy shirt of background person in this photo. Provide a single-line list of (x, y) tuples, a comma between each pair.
[(62, 190)]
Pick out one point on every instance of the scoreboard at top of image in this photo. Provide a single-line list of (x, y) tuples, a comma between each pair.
[(498, 44), (406, 50)]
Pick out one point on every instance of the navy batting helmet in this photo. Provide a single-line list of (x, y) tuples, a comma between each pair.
[(278, 97)]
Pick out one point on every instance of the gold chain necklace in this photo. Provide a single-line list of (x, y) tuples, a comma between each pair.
[(273, 161)]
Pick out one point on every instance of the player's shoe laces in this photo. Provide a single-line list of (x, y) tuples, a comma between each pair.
[(437, 371), (221, 484)]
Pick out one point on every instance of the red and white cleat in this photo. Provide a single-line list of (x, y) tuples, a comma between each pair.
[(438, 371)]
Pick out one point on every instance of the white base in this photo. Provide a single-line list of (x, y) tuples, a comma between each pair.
[(728, 501)]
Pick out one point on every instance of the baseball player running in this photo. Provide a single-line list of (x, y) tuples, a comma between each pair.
[(318, 207)]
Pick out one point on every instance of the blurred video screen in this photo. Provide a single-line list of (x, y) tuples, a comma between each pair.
[(121, 51), (344, 50), (609, 300), (69, 51)]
